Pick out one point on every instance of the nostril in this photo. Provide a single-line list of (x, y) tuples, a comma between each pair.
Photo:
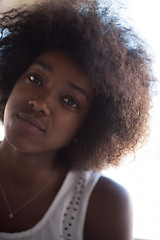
[(39, 107), (32, 105), (41, 111), (30, 102)]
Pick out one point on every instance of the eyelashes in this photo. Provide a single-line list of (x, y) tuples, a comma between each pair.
[(35, 78), (69, 101)]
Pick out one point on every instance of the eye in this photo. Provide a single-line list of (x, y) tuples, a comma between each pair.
[(71, 102), (35, 79)]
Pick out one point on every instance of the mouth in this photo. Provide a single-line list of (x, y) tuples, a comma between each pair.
[(30, 121)]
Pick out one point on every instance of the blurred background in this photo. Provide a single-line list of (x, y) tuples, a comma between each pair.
[(140, 173), (141, 176)]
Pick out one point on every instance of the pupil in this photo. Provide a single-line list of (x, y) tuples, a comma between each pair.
[(71, 102), (36, 80)]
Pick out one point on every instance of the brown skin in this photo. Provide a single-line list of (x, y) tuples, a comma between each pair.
[(45, 111), (109, 215), (46, 94)]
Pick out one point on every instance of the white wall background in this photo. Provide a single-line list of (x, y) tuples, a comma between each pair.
[(142, 176)]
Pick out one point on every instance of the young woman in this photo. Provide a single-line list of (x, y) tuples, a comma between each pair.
[(74, 99)]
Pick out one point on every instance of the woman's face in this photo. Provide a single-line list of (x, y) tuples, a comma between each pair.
[(47, 105)]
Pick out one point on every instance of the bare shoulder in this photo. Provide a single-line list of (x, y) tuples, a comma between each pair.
[(109, 214)]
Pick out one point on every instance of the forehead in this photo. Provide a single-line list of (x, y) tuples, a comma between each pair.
[(61, 64), (57, 60)]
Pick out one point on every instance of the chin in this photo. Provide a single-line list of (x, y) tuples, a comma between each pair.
[(20, 145)]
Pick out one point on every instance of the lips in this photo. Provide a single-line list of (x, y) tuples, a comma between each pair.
[(32, 121)]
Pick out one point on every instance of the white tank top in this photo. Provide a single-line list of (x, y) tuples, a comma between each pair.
[(64, 219)]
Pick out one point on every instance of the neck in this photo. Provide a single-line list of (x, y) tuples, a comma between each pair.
[(22, 165)]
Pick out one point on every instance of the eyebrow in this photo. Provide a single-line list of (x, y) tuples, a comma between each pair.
[(79, 89), (43, 65), (72, 85)]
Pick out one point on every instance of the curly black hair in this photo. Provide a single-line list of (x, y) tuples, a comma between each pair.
[(112, 56)]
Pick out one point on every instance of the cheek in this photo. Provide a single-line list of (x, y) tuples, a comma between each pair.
[(9, 108), (12, 99), (9, 114), (69, 126), (7, 111)]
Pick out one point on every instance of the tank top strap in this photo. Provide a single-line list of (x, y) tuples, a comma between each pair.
[(77, 203)]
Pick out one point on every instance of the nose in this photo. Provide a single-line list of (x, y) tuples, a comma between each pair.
[(40, 105)]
